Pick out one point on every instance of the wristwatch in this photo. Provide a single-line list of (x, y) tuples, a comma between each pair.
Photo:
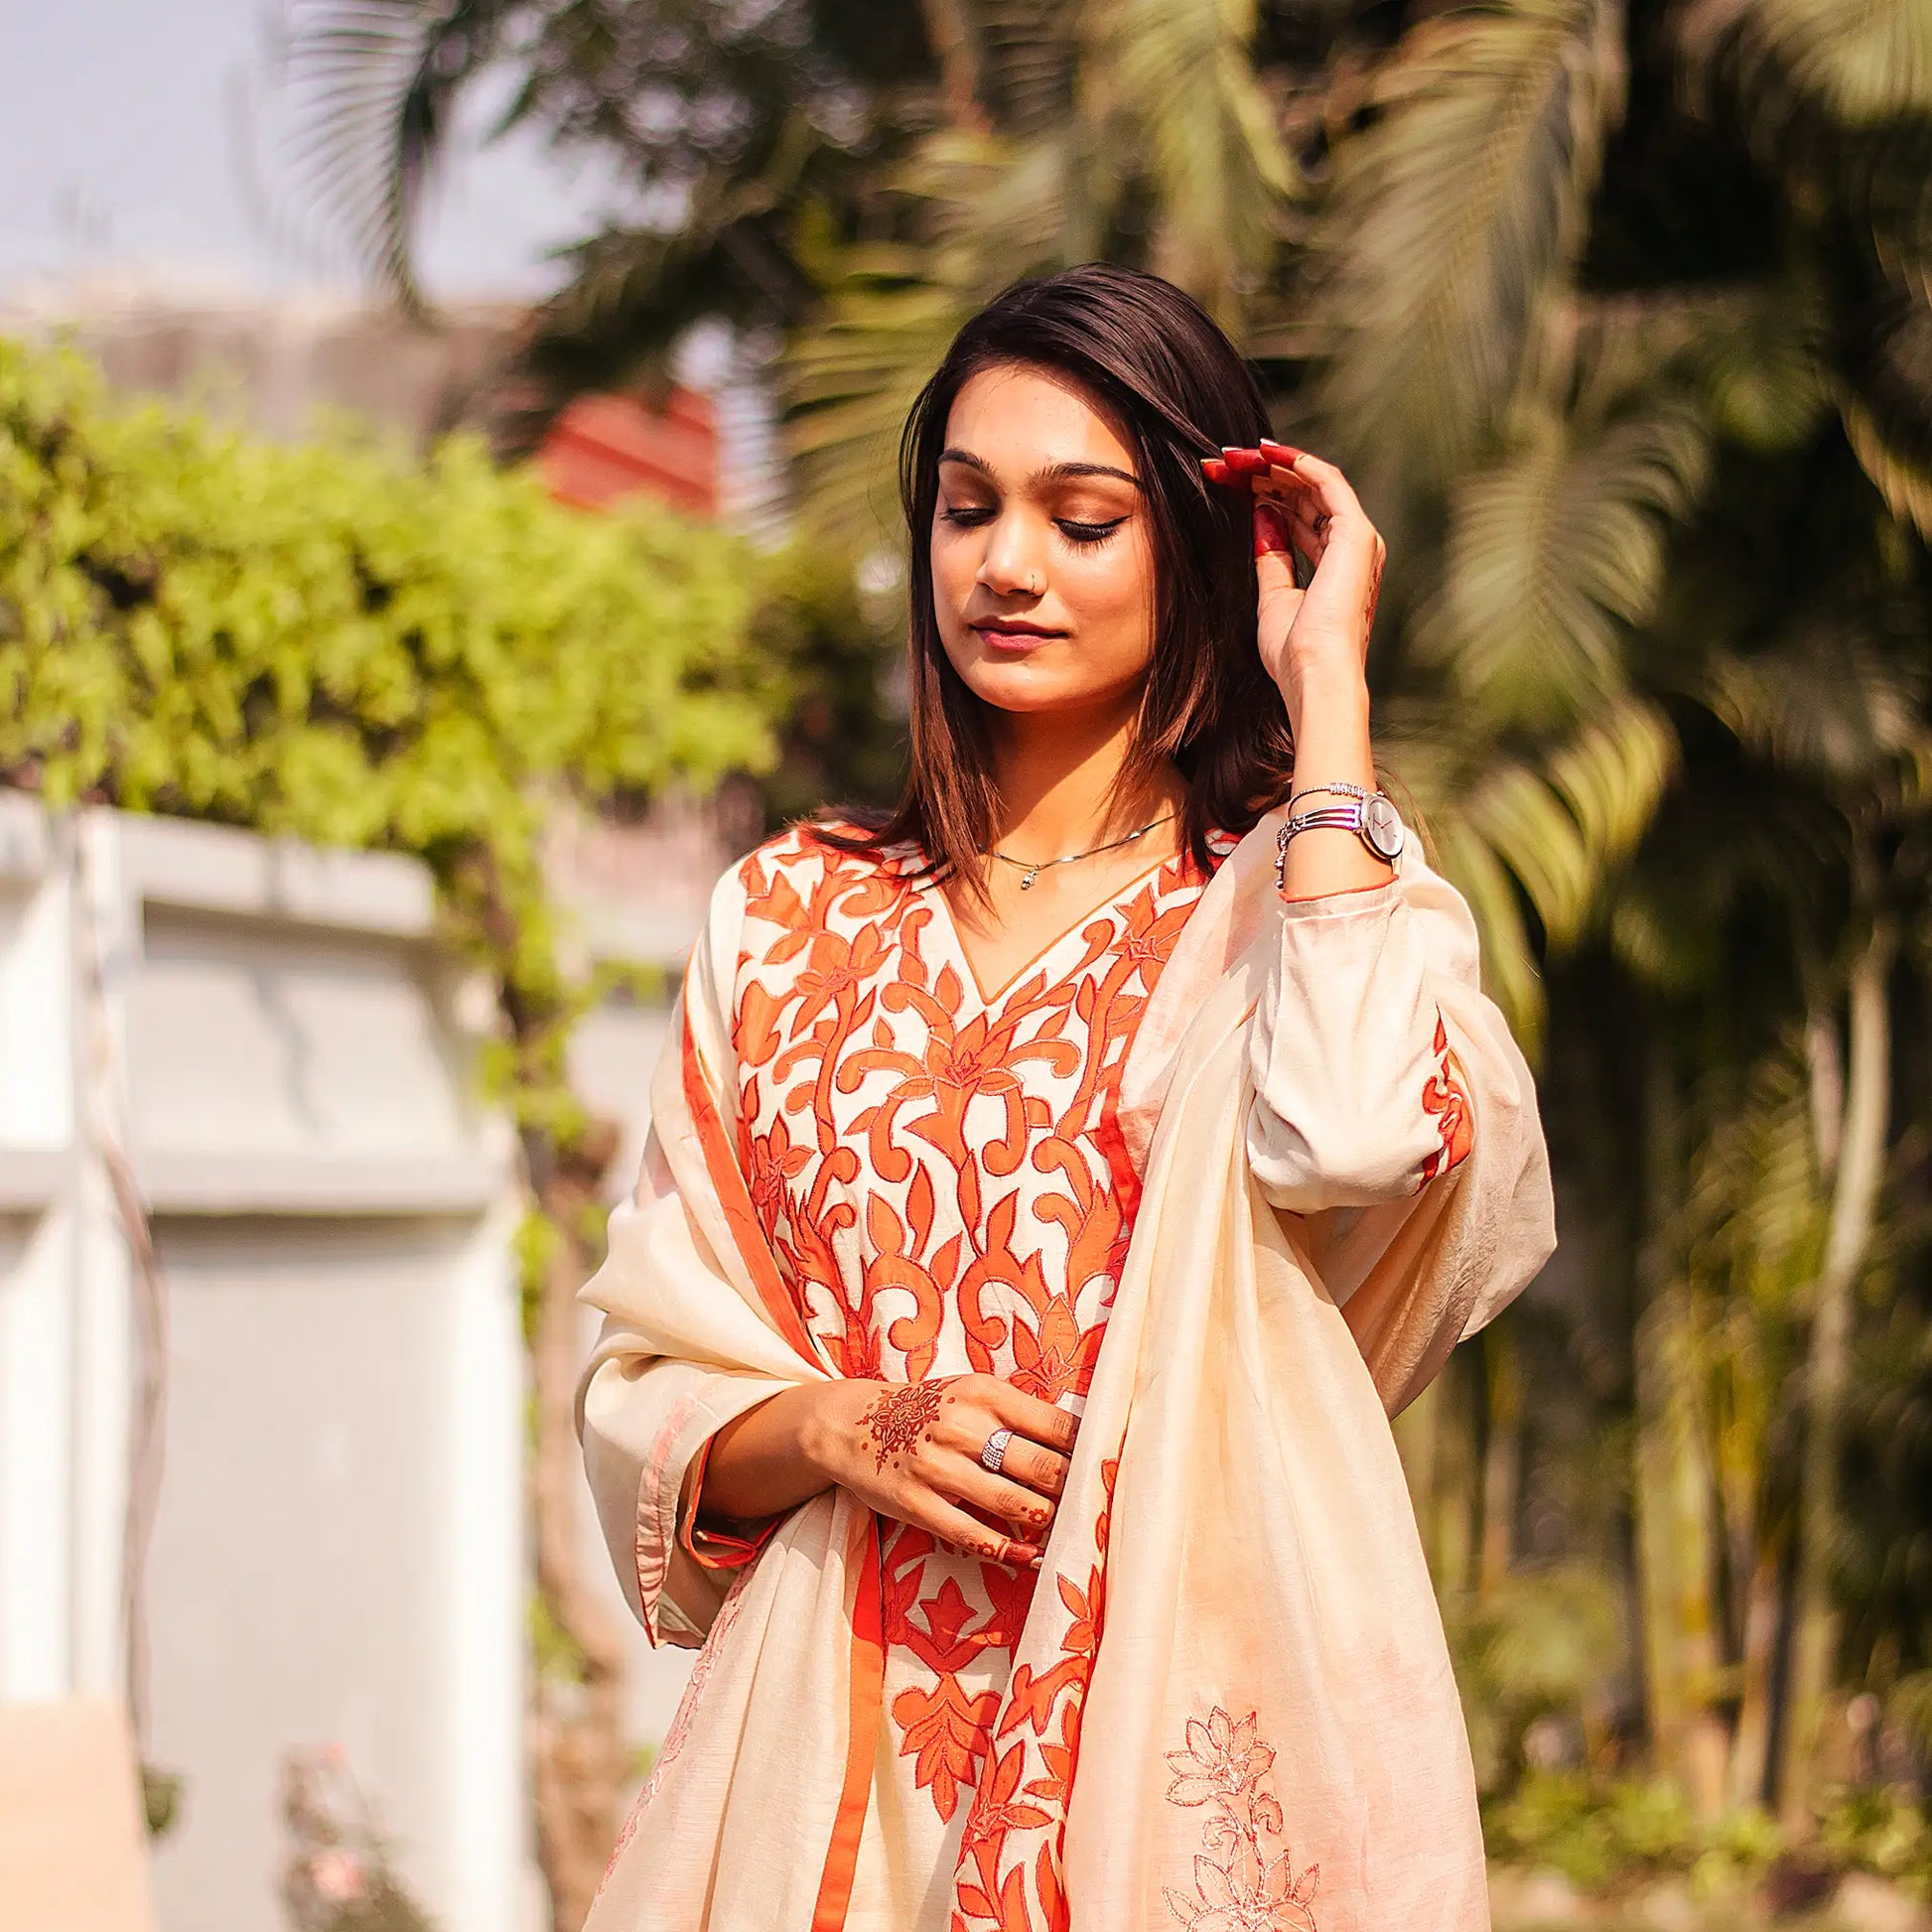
[(1370, 815)]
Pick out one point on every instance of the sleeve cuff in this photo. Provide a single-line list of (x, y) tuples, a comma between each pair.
[(719, 1541), (1351, 900)]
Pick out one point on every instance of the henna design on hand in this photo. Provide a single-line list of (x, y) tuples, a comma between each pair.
[(899, 1416)]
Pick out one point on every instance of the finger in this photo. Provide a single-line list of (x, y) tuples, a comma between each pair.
[(962, 1478), (1244, 462), (1217, 472), (1043, 1470), (1310, 531), (1040, 1422), (1338, 494), (926, 1509), (1273, 537)]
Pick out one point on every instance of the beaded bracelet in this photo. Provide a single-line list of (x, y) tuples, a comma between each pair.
[(1340, 785)]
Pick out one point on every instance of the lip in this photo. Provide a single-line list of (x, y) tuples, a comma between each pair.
[(1012, 634)]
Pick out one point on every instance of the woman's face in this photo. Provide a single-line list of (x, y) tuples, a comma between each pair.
[(1042, 555)]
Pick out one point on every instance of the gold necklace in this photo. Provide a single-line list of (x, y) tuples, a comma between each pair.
[(1033, 869)]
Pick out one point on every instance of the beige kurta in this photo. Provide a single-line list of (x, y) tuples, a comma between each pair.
[(1140, 1177)]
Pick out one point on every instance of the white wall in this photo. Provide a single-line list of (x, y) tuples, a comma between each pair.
[(338, 1555), (338, 1548)]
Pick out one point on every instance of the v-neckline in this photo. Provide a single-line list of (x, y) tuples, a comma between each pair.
[(958, 941)]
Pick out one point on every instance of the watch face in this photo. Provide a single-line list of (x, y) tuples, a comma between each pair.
[(1382, 827)]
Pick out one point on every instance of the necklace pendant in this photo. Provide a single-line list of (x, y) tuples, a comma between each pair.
[(1028, 877)]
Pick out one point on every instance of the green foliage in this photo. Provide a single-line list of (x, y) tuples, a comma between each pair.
[(837, 652), (1540, 1644), (1885, 1831), (329, 641), (160, 1799), (339, 1873), (1604, 1833), (557, 1654)]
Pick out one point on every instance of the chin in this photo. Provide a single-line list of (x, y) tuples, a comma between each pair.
[(1034, 683)]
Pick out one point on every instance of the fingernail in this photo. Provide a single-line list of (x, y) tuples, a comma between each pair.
[(1245, 462), (1286, 453), (1217, 472), (1024, 1552), (1270, 531)]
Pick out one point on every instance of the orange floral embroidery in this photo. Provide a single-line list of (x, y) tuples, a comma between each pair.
[(942, 1182), (1238, 1885), (1443, 1097)]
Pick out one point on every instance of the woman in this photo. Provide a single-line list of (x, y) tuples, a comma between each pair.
[(1052, 1192)]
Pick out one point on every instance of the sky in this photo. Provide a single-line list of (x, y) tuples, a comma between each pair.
[(145, 136)]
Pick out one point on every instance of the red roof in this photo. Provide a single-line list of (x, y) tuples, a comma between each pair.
[(602, 449)]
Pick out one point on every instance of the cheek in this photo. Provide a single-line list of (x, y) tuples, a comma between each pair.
[(955, 565), (1110, 592)]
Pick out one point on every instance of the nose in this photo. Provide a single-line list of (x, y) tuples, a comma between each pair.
[(1013, 565)]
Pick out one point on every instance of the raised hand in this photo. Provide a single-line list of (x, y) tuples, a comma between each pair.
[(1318, 634)]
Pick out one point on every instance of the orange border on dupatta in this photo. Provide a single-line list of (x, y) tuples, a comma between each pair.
[(867, 1685), (868, 1693), (736, 1200)]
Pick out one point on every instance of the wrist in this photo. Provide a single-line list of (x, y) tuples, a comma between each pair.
[(1328, 688), (825, 1425)]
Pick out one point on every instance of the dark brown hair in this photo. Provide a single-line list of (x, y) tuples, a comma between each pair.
[(1173, 383)]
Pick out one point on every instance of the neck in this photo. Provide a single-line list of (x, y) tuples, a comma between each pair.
[(1055, 771)]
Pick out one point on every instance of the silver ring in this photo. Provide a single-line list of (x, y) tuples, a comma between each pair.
[(994, 1454)]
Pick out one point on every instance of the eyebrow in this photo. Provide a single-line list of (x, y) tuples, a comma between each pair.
[(1053, 472)]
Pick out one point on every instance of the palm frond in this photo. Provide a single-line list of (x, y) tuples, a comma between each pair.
[(1182, 80), (1861, 61), (990, 211), (1552, 553), (373, 84), (1754, 351), (1753, 1214), (1546, 832), (1031, 54), (1886, 403), (1828, 704), (1452, 218)]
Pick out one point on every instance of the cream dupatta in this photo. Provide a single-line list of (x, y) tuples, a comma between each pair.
[(1231, 1706)]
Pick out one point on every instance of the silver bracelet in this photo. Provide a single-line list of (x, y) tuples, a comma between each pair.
[(1345, 789), (1342, 818)]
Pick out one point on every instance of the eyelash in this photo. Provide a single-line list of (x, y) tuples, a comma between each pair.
[(1087, 536)]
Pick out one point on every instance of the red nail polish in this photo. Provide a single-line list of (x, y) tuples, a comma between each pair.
[(1217, 472), (1245, 462), (1270, 531), (1286, 453)]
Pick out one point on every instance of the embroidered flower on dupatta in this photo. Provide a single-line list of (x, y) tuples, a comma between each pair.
[(1238, 1886)]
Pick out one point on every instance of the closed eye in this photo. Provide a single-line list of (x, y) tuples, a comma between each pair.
[(1076, 533)]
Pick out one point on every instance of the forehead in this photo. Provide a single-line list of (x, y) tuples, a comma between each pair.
[(1020, 418)]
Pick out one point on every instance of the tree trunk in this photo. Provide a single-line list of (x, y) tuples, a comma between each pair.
[(1502, 1455), (581, 1764), (1432, 1435), (1682, 1660), (1452, 1503), (1750, 1745), (1862, 1140)]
